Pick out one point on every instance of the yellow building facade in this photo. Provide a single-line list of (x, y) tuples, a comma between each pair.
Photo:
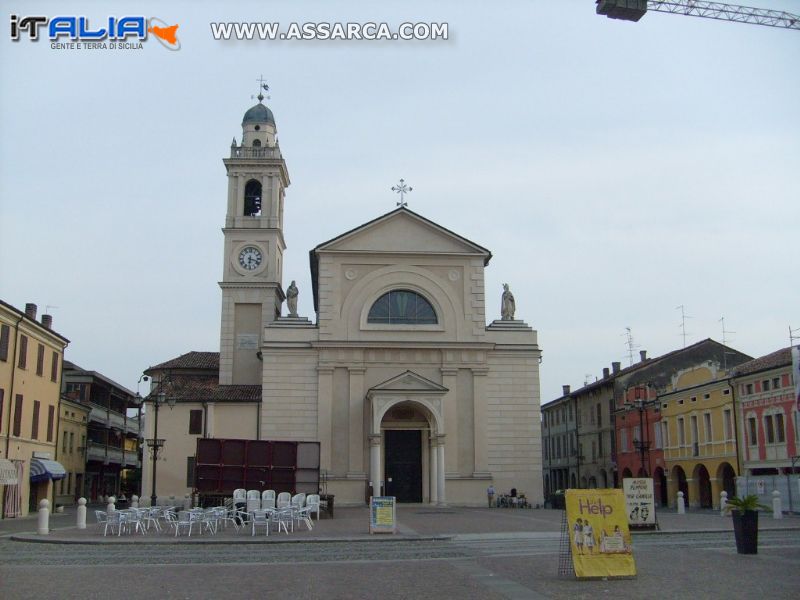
[(699, 436), (71, 451), (31, 358)]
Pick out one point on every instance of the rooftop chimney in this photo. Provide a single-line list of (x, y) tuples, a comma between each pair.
[(605, 372), (47, 321), (565, 390), (30, 310), (643, 355), (615, 367)]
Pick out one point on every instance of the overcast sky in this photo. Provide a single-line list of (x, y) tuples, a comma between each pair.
[(615, 170)]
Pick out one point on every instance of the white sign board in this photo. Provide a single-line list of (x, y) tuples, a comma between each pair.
[(640, 502)]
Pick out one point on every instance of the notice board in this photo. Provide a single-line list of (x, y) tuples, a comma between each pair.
[(382, 514), (600, 541), (640, 502)]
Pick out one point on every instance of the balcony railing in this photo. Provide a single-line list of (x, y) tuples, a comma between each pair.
[(257, 152)]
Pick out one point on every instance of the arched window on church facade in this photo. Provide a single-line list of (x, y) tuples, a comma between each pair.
[(252, 198), (402, 307), (256, 143)]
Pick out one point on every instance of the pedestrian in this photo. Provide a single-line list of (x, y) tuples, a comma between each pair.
[(490, 494)]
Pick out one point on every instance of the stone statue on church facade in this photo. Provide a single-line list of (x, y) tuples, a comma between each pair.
[(291, 299), (508, 306)]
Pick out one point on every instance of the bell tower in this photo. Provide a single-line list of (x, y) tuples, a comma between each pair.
[(254, 245)]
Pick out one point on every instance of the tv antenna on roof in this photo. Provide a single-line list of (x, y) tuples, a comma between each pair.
[(629, 343), (684, 316)]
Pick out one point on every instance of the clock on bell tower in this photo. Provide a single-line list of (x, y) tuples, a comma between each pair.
[(254, 245)]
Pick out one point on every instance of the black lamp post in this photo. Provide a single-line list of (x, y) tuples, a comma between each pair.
[(641, 403), (155, 443)]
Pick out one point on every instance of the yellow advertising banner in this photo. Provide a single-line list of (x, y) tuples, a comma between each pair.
[(599, 536)]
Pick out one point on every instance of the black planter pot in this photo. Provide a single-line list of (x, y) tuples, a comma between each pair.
[(745, 528)]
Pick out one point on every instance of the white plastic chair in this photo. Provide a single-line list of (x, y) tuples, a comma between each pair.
[(284, 518), (312, 502), (186, 520), (239, 498), (268, 499), (253, 500), (260, 518), (102, 521), (226, 515), (284, 500)]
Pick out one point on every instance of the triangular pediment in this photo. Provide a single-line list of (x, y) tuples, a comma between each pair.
[(403, 231), (409, 382)]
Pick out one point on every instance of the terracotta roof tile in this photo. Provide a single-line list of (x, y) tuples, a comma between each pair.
[(207, 389), (779, 358), (191, 360)]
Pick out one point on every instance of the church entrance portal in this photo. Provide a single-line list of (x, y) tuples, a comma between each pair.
[(403, 472)]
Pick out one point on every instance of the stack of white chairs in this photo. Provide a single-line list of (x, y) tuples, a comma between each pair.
[(268, 499), (284, 500), (253, 500), (239, 499), (312, 502)]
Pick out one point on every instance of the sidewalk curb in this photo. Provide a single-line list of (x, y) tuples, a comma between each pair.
[(130, 541)]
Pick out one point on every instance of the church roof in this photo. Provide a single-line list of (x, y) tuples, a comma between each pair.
[(258, 114), (451, 241), (190, 360)]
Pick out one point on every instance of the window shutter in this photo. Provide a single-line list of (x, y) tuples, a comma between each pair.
[(51, 411), (2, 396), (23, 352), (54, 367), (195, 422), (18, 415), (40, 360), (35, 422), (5, 333)]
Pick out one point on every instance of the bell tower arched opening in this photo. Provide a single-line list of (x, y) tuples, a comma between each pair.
[(252, 198)]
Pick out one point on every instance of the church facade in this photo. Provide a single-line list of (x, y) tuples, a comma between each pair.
[(398, 376)]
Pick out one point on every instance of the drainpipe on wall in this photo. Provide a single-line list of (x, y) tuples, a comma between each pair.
[(735, 427)]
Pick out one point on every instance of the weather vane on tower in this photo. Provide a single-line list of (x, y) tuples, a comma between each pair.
[(261, 86), (402, 189)]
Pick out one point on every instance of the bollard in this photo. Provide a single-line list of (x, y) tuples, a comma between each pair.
[(44, 518), (134, 501), (723, 502), (681, 504), (110, 507), (777, 509), (81, 513), (187, 502)]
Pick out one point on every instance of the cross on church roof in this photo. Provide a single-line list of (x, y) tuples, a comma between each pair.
[(402, 189), (261, 86)]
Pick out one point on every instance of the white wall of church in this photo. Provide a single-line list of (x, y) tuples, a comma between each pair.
[(513, 429)]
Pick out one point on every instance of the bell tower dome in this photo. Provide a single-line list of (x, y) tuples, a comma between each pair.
[(254, 245)]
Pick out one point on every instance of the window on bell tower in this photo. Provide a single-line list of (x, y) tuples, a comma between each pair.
[(256, 143), (252, 198)]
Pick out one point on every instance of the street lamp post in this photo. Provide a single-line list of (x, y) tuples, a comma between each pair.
[(643, 446), (155, 443)]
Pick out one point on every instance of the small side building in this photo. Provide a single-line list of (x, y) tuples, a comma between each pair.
[(71, 451)]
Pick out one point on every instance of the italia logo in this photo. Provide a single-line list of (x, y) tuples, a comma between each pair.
[(112, 31)]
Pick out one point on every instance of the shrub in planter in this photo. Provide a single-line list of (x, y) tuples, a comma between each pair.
[(745, 522)]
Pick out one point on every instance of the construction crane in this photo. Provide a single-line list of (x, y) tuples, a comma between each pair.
[(633, 10)]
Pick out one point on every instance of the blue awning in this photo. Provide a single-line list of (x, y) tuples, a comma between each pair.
[(43, 469)]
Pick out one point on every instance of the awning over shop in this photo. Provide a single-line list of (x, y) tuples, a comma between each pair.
[(8, 472), (43, 469)]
